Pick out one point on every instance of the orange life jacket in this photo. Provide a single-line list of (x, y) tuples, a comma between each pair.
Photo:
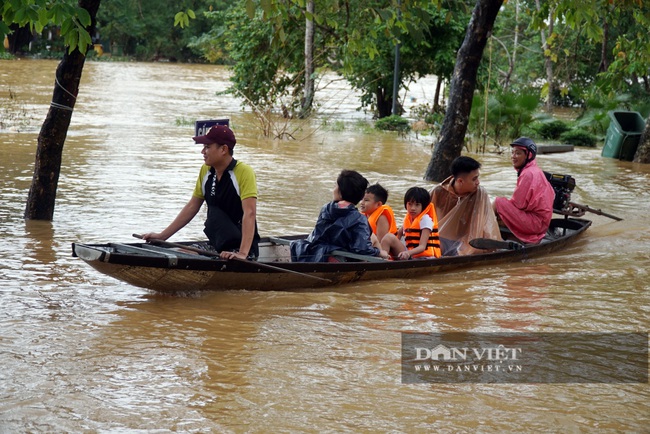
[(386, 211), (412, 234)]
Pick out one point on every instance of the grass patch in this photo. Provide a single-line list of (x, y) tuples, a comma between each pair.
[(579, 137), (182, 122), (393, 123), (13, 113)]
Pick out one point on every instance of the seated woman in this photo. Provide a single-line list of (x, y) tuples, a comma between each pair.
[(528, 213)]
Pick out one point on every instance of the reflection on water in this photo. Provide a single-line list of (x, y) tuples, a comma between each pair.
[(524, 293), (82, 352), (39, 246)]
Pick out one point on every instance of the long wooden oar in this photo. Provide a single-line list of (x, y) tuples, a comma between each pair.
[(216, 254)]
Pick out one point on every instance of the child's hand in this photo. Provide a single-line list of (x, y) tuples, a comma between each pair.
[(406, 254), (383, 254)]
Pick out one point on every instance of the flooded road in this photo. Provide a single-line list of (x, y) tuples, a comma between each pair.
[(82, 352)]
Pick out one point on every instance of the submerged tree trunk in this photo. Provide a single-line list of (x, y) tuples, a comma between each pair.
[(308, 98), (42, 193), (463, 83), (643, 151), (384, 103)]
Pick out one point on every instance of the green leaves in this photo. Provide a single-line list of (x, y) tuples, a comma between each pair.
[(72, 19), (182, 18), (508, 113), (4, 29), (83, 16)]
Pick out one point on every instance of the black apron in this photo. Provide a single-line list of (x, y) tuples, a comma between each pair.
[(225, 213)]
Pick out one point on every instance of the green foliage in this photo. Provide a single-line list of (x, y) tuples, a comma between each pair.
[(425, 113), (182, 18), (420, 111), (265, 48), (435, 118), (372, 73), (428, 45), (393, 123), (212, 42), (552, 129), (574, 58), (579, 137), (356, 38), (71, 20), (595, 117), (265, 77), (631, 51), (154, 29), (508, 113), (575, 45)]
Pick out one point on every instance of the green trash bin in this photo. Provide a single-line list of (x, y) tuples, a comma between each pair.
[(623, 135)]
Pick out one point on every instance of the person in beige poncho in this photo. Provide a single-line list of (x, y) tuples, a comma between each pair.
[(464, 209)]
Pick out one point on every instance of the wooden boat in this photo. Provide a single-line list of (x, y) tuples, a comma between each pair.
[(171, 270)]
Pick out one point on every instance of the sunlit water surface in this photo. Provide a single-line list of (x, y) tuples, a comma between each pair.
[(81, 352)]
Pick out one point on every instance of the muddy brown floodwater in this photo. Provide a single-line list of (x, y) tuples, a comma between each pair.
[(81, 352)]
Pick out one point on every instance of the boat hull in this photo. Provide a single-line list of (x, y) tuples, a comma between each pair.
[(169, 271)]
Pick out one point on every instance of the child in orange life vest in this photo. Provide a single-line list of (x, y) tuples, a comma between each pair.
[(418, 236), (380, 216)]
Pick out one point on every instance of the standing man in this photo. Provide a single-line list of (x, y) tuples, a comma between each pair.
[(230, 191), (463, 208), (528, 213)]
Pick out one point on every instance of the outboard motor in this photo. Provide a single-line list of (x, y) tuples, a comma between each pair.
[(563, 186)]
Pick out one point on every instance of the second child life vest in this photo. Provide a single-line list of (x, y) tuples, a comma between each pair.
[(412, 234)]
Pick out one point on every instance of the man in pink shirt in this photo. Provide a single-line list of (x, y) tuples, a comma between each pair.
[(528, 213)]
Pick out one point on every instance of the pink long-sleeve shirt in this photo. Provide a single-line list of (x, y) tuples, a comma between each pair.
[(528, 213)]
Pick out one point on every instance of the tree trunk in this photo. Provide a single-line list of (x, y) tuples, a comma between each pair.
[(19, 37), (548, 66), (436, 97), (42, 193), (515, 45), (384, 104), (463, 83), (643, 151), (548, 62), (604, 64), (309, 64)]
